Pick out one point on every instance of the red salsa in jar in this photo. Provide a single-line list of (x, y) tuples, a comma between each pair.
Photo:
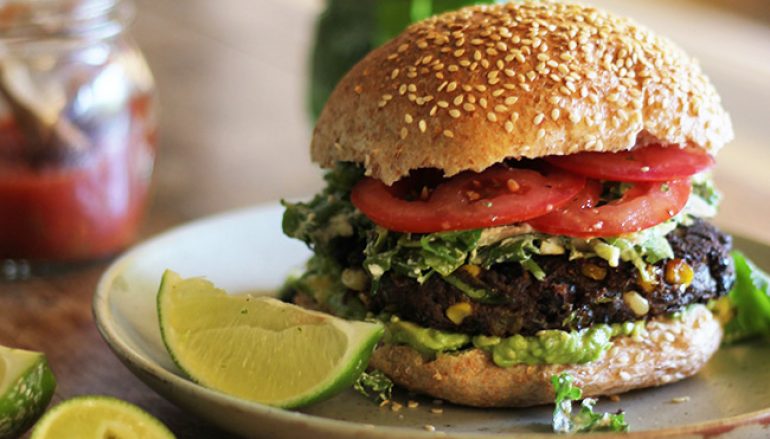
[(82, 208)]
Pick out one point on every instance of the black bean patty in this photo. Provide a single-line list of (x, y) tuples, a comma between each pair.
[(567, 298)]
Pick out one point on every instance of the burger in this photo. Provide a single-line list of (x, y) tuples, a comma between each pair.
[(518, 191)]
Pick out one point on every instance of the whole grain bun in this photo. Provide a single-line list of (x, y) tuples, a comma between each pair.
[(673, 350), (467, 89)]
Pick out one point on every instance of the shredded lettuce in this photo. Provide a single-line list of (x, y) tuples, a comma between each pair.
[(749, 301), (585, 420)]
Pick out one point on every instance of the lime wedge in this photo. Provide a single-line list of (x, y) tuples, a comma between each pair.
[(26, 388), (259, 348), (99, 417)]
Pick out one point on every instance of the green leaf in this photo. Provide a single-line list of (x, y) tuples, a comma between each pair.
[(445, 252), (585, 420), (749, 300), (516, 249), (343, 36), (374, 383)]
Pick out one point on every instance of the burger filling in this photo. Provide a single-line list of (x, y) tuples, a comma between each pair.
[(532, 261)]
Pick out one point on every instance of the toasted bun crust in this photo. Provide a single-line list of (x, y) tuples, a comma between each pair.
[(674, 350), (468, 89)]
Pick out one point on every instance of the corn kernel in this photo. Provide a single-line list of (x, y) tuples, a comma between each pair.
[(458, 312), (679, 272), (593, 271), (648, 285), (638, 304), (473, 270)]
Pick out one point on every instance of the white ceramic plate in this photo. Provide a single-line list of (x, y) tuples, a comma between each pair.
[(245, 251)]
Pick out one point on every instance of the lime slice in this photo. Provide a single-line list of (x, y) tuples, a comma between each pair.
[(26, 388), (259, 348), (99, 417)]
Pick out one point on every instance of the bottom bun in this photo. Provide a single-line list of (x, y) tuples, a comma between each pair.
[(672, 350)]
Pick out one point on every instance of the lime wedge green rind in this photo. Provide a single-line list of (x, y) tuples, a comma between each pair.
[(26, 387), (258, 348), (99, 417)]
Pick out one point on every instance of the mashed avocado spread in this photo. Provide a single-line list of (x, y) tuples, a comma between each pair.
[(545, 347)]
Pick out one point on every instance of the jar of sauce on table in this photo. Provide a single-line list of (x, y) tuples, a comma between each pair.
[(77, 132)]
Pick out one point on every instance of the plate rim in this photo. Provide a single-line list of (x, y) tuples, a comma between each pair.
[(131, 358)]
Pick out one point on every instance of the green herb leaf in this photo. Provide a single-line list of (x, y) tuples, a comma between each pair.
[(585, 420), (749, 301), (516, 249), (376, 384)]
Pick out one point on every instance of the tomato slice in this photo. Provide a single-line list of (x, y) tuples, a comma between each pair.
[(651, 163), (499, 195), (643, 206)]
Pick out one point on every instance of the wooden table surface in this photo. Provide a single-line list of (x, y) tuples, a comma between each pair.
[(234, 133)]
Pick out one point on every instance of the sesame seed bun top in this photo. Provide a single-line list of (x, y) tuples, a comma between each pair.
[(467, 89)]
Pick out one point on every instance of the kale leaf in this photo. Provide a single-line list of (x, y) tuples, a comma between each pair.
[(749, 301), (376, 382), (585, 420)]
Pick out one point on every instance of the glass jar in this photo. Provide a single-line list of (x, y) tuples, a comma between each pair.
[(77, 130)]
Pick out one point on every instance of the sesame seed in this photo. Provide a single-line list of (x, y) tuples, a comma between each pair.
[(437, 410), (408, 118), (492, 117), (428, 427), (508, 126), (469, 107), (499, 92), (452, 86), (539, 118), (422, 126), (394, 73), (448, 133), (501, 108), (555, 114), (458, 100), (404, 133), (442, 104), (455, 113), (483, 102)]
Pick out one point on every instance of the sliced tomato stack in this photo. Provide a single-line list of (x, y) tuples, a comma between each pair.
[(559, 195)]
